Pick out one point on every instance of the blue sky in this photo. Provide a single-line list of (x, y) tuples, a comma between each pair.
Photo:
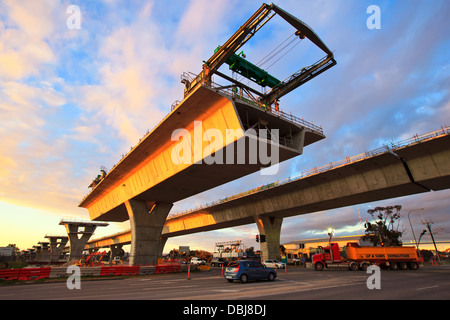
[(74, 100)]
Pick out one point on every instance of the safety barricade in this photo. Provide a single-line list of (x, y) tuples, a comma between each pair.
[(9, 274), (58, 272), (167, 268), (90, 271), (119, 271), (130, 270), (34, 273), (147, 270), (111, 271)]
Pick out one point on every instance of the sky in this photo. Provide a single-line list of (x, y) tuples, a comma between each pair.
[(75, 97)]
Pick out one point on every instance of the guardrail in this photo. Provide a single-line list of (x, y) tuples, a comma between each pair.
[(245, 97)]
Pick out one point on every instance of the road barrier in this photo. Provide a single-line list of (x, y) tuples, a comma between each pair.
[(111, 271), (34, 273), (59, 272), (9, 274), (166, 268), (130, 271), (90, 271), (146, 270)]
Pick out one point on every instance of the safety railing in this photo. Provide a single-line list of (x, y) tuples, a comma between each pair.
[(248, 98)]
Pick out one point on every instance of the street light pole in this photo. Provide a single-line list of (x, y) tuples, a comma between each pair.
[(434, 242), (412, 230)]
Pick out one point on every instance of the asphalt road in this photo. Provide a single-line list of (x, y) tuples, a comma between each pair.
[(428, 283)]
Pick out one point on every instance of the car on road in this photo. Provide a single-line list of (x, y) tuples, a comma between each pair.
[(218, 262), (245, 270), (274, 264), (197, 261)]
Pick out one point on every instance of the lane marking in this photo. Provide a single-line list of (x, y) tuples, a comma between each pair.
[(425, 288)]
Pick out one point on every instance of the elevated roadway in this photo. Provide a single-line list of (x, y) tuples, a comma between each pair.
[(211, 133), (421, 164), (215, 135), (149, 171)]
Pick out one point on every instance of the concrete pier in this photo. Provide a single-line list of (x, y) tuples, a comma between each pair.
[(44, 254), (147, 221), (270, 227), (79, 233), (57, 245)]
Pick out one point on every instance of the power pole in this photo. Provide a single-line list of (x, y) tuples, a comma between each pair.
[(432, 238)]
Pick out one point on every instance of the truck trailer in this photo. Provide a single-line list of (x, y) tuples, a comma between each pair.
[(359, 258)]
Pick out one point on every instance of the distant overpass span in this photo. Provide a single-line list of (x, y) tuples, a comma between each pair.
[(417, 165)]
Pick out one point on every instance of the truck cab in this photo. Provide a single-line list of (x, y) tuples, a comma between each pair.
[(327, 256)]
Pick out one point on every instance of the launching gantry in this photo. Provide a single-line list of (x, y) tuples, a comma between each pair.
[(237, 63)]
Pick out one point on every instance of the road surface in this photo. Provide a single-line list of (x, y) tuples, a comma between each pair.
[(428, 283)]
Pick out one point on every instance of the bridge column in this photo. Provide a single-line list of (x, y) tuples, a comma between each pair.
[(57, 244), (79, 233), (116, 250), (38, 253), (45, 252), (147, 221), (162, 243), (271, 228)]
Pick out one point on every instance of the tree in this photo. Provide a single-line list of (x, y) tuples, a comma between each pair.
[(384, 231)]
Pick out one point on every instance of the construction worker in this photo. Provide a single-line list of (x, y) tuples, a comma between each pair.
[(277, 106)]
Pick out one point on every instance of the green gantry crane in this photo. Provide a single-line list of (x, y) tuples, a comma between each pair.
[(226, 53)]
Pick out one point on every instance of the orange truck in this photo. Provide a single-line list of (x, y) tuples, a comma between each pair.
[(359, 258)]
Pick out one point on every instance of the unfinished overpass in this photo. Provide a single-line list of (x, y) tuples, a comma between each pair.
[(420, 164), (217, 134)]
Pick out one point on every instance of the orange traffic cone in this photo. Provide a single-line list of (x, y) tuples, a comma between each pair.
[(189, 272)]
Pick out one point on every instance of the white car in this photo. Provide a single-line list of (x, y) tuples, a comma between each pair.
[(274, 264), (197, 261)]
